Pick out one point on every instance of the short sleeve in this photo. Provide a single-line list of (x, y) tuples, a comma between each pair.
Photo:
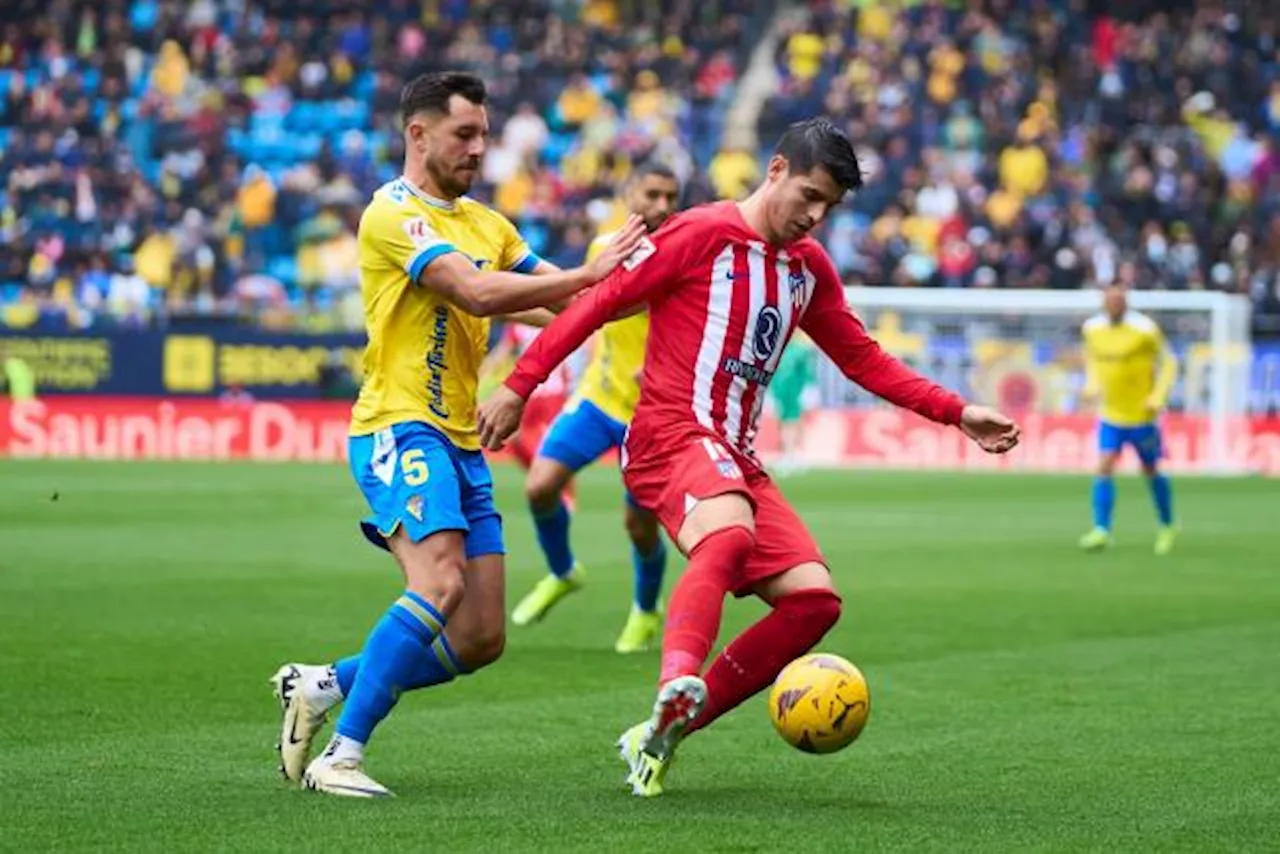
[(516, 254), (402, 238)]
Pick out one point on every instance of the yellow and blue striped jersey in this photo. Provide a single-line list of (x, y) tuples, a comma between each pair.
[(422, 360), (1129, 366), (611, 380)]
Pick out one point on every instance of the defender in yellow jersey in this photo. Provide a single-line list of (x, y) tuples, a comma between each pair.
[(434, 265), (1130, 371), (594, 421)]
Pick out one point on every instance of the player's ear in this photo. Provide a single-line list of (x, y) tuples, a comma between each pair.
[(778, 167), (416, 131)]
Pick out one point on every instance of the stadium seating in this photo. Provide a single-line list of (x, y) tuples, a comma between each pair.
[(1008, 144)]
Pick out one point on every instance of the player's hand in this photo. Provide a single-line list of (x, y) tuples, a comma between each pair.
[(499, 417), (622, 245), (994, 432), (1154, 405)]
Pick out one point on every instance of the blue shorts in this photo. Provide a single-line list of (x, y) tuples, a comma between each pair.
[(581, 434), (415, 478), (1144, 438)]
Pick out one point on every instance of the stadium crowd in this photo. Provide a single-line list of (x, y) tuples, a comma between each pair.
[(1050, 144), (211, 157)]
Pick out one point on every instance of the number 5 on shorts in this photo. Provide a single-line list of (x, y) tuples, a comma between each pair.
[(414, 467)]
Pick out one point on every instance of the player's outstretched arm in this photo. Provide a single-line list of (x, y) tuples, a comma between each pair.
[(499, 416), (485, 293), (842, 336), (862, 360), (650, 270), (537, 317)]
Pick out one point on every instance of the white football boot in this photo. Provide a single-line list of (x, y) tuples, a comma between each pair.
[(342, 776), (306, 693)]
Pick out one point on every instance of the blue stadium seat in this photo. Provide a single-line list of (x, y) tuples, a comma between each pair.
[(283, 268), (262, 124), (237, 140), (557, 146), (350, 114), (362, 86), (10, 292), (305, 115), (306, 146)]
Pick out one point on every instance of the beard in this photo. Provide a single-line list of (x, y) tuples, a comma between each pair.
[(449, 182)]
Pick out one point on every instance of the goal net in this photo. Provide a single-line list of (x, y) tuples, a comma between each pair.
[(1021, 351)]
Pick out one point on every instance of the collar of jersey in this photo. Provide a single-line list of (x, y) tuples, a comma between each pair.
[(442, 204)]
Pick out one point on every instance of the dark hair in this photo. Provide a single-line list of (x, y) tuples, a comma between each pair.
[(818, 142), (653, 167), (430, 93)]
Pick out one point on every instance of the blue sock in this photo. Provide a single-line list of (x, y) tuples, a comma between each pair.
[(553, 536), (346, 669), (1104, 501), (395, 648), (435, 669), (1162, 495), (648, 575)]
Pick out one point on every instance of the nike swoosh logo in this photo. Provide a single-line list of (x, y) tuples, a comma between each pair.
[(293, 731), (377, 793)]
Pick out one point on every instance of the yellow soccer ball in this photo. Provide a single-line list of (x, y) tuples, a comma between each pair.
[(819, 703)]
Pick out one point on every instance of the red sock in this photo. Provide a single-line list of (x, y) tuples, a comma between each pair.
[(754, 658), (693, 617)]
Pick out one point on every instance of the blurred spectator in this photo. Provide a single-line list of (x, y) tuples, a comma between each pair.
[(212, 157), (733, 173), (1050, 143)]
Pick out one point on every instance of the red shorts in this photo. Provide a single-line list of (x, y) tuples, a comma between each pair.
[(671, 485)]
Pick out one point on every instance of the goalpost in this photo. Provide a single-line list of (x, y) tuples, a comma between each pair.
[(1020, 350)]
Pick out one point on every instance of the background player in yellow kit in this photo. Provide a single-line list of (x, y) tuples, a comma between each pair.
[(433, 266), (593, 422), (1130, 371)]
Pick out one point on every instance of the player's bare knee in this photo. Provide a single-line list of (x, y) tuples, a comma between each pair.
[(543, 485), (441, 581), (1107, 465), (443, 586), (642, 529), (481, 647), (434, 568)]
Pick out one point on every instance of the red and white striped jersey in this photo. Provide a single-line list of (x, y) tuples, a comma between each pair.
[(723, 304)]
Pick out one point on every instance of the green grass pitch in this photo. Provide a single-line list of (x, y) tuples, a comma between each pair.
[(1024, 695)]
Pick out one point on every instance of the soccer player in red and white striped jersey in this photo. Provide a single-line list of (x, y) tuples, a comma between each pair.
[(726, 285)]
